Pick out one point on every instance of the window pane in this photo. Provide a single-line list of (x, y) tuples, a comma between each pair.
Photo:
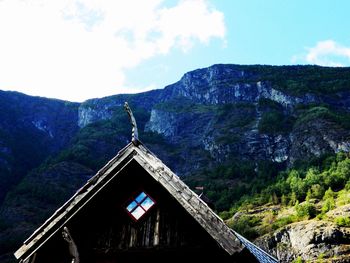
[(131, 206), (147, 204), (138, 212), (140, 197)]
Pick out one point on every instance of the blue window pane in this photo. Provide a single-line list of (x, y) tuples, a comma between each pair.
[(147, 203), (140, 197), (140, 205), (131, 206), (137, 213)]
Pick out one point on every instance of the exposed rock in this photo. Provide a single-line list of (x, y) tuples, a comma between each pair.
[(94, 111), (227, 84), (163, 122), (42, 125), (317, 137), (343, 211), (308, 239), (222, 84), (219, 152), (263, 146)]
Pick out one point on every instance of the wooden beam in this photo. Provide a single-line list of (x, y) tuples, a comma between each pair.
[(73, 249)]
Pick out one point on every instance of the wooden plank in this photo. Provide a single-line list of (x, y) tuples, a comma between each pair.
[(193, 204)]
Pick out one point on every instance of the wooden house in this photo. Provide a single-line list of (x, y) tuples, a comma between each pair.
[(135, 209)]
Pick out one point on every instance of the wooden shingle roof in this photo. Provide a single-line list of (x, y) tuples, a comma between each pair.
[(189, 200)]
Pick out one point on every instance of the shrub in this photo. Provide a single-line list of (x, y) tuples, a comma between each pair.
[(317, 191), (274, 199), (283, 221), (245, 226), (305, 210), (343, 197), (347, 186), (274, 121), (293, 199), (298, 260), (226, 215), (342, 221), (322, 216), (328, 205), (320, 258), (329, 194)]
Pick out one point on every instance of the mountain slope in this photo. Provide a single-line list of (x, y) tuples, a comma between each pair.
[(229, 128), (31, 128)]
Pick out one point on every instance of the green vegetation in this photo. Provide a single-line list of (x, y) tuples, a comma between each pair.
[(298, 260), (226, 184), (245, 225), (283, 221), (265, 103), (274, 121), (305, 211), (295, 195), (181, 105), (342, 221), (298, 80), (227, 121), (219, 112), (322, 112), (97, 142)]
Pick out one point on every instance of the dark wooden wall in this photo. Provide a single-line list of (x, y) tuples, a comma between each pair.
[(105, 232)]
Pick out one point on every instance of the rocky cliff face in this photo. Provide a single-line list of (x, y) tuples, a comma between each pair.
[(221, 84), (308, 240), (232, 85), (316, 138), (95, 110)]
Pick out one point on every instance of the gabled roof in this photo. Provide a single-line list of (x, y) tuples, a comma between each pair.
[(189, 200)]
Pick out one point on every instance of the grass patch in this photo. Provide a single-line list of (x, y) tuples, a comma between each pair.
[(343, 221), (283, 221)]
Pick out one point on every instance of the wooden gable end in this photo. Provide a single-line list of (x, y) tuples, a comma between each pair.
[(104, 231), (179, 226)]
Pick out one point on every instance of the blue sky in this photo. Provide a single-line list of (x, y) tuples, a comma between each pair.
[(81, 49)]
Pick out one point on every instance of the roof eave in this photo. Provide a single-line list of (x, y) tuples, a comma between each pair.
[(81, 197)]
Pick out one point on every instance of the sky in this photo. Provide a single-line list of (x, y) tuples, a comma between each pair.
[(80, 49)]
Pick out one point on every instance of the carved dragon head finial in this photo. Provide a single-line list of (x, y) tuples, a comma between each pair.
[(135, 133)]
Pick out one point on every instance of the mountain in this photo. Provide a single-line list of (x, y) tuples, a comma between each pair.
[(31, 128), (229, 128)]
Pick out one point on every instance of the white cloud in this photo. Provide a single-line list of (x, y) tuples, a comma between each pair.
[(186, 22), (80, 49), (326, 53)]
